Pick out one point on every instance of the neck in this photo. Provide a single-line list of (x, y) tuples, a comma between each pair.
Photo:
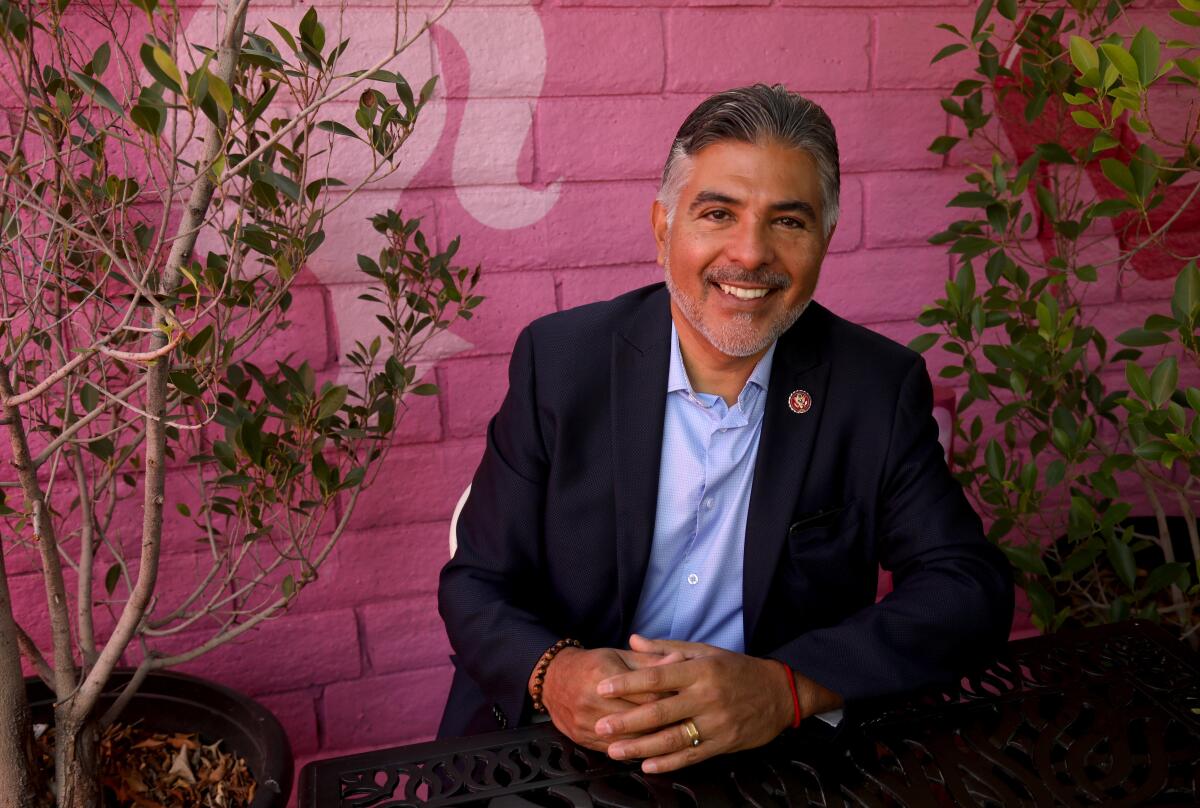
[(709, 370)]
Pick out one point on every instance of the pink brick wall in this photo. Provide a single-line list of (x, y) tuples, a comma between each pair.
[(542, 149)]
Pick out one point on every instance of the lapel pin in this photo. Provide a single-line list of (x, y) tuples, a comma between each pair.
[(800, 402)]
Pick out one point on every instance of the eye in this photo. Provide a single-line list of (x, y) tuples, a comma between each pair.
[(792, 223), (717, 215)]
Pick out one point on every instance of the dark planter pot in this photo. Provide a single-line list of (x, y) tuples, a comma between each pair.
[(175, 702)]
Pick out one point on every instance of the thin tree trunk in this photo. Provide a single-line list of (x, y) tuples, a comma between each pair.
[(78, 757), (17, 773), (76, 761)]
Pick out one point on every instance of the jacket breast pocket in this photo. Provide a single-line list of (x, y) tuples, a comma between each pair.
[(826, 549)]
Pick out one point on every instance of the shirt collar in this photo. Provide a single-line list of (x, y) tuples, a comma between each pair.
[(677, 378)]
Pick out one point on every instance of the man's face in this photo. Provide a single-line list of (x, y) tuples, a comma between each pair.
[(744, 249)]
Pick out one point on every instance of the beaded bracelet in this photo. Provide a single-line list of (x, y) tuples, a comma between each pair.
[(543, 664)]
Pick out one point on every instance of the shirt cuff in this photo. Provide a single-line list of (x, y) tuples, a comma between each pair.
[(831, 717)]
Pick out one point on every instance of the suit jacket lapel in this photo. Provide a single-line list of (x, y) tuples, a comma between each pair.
[(640, 358), (784, 453)]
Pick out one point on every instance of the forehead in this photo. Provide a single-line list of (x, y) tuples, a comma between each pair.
[(754, 169)]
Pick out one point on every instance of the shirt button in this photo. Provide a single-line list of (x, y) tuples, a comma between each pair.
[(708, 503), (693, 579)]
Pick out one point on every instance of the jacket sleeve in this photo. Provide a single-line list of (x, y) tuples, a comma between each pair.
[(488, 592), (952, 603)]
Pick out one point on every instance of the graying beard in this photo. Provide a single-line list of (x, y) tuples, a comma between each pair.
[(734, 338)]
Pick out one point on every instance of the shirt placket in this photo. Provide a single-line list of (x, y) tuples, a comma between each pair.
[(694, 585)]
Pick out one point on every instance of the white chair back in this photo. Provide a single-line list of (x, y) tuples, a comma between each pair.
[(454, 520)]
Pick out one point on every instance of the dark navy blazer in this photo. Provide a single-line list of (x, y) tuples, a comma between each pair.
[(555, 537)]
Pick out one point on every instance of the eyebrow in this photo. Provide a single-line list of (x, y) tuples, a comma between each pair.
[(785, 206)]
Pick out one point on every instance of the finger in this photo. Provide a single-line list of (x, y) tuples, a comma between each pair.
[(634, 660), (678, 760), (674, 656), (651, 679), (668, 741), (645, 718), (648, 646)]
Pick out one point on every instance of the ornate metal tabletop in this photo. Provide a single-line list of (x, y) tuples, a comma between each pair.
[(1105, 716)]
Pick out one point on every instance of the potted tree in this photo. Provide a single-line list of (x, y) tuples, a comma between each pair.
[(1068, 427), (160, 196)]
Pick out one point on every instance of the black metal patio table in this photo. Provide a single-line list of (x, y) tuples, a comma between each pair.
[(1104, 716)]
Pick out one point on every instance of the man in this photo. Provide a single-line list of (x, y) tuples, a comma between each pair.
[(697, 484)]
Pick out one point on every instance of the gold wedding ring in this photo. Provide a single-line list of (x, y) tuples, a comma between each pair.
[(689, 727)]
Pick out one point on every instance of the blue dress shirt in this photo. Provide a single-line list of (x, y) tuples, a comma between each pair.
[(693, 586)]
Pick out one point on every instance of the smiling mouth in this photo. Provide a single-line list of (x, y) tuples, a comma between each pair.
[(743, 293)]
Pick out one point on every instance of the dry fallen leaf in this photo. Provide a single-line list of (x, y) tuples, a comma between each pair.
[(180, 767)]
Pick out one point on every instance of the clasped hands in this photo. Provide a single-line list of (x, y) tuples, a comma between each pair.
[(636, 704)]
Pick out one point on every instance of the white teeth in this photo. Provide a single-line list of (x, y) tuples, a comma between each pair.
[(742, 294)]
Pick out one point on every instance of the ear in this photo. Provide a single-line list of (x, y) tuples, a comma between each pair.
[(658, 223)]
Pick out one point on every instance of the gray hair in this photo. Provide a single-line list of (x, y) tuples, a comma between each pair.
[(757, 114)]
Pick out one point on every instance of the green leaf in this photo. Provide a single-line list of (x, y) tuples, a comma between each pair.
[(994, 459), (1042, 603), (981, 15), (332, 401), (1138, 381), (943, 144), (182, 380), (167, 65), (425, 390), (1085, 119), (100, 59), (1026, 559), (1046, 201), (286, 185), (1161, 577), (947, 51), (1054, 153), (1121, 59), (1083, 55), (1120, 555), (923, 343), (1110, 207), (1163, 381), (98, 92), (285, 35), (111, 578), (427, 90), (1186, 299), (149, 119), (1186, 17), (1193, 398), (971, 199), (1008, 9), (89, 397), (337, 129), (1145, 51), (1142, 338), (220, 92), (1118, 174), (289, 586), (1144, 170)]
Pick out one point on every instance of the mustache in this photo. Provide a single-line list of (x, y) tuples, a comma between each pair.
[(736, 274)]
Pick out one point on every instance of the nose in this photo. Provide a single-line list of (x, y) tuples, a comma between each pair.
[(750, 244)]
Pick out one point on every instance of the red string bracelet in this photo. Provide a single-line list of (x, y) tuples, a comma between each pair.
[(791, 678)]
